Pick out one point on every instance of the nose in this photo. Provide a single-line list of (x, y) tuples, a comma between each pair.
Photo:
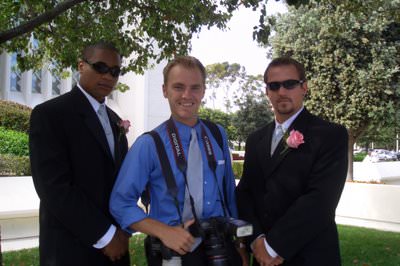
[(108, 76), (186, 93)]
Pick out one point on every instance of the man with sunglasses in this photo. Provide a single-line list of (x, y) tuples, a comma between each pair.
[(76, 150), (293, 176)]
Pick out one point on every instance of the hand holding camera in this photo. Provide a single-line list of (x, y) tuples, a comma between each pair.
[(178, 238)]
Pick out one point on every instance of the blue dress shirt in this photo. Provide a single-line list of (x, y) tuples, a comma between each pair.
[(142, 167)]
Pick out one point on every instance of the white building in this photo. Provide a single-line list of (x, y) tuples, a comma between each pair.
[(143, 105)]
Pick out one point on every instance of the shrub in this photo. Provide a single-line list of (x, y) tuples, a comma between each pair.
[(13, 142), (359, 157), (12, 165), (14, 116), (237, 169)]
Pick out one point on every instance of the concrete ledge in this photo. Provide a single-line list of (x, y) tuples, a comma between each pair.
[(370, 205), (19, 213), (381, 172), (18, 197), (366, 205)]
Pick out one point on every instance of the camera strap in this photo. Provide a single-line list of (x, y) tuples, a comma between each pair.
[(180, 159), (182, 165), (212, 163), (167, 172)]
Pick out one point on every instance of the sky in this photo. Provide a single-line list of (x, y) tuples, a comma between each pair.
[(235, 44)]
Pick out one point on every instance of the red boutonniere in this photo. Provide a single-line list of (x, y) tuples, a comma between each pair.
[(293, 140), (124, 126)]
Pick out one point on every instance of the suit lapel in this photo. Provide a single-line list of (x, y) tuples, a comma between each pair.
[(91, 120), (264, 147), (114, 121), (300, 124)]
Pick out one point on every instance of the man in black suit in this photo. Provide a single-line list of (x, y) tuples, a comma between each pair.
[(75, 156), (290, 193)]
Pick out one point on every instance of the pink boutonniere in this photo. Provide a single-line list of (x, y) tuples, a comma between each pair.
[(124, 126), (293, 140)]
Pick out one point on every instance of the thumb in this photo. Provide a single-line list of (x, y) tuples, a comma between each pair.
[(188, 223)]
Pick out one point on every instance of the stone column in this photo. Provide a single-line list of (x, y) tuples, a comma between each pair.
[(5, 72)]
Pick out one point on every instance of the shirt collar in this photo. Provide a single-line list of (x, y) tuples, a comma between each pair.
[(289, 121), (185, 130), (93, 102)]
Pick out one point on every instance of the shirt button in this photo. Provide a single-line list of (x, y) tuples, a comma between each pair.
[(208, 203), (205, 182)]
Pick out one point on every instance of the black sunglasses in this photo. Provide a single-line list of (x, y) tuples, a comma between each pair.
[(287, 84), (102, 68)]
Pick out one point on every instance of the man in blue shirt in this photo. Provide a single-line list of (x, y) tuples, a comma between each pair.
[(184, 87)]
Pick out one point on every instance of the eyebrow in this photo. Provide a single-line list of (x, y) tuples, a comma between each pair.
[(182, 84)]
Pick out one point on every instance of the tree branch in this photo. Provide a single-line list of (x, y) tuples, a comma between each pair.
[(45, 17)]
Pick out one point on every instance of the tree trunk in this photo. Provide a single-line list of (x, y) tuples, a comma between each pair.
[(1, 256), (350, 156)]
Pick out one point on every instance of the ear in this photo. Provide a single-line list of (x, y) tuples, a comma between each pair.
[(164, 89), (80, 66), (204, 91), (305, 88)]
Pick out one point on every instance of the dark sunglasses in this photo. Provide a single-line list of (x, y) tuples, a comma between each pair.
[(102, 68), (287, 84)]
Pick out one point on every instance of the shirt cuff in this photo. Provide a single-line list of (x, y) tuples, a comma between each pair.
[(252, 243), (102, 242), (270, 250)]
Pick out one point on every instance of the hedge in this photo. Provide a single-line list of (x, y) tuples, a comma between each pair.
[(237, 169), (12, 165), (13, 142), (14, 116)]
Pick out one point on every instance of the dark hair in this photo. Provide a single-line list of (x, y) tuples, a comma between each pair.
[(187, 62), (88, 51), (286, 61)]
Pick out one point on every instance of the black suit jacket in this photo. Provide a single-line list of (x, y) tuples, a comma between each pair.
[(73, 173), (291, 196)]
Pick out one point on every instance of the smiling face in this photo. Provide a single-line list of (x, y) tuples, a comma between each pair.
[(184, 90), (98, 85), (285, 102)]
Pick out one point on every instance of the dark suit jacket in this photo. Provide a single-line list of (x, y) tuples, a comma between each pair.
[(292, 197), (73, 173)]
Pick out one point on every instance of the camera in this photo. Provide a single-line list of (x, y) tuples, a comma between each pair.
[(154, 248), (218, 234)]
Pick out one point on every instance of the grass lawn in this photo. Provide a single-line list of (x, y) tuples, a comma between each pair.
[(366, 247), (359, 246)]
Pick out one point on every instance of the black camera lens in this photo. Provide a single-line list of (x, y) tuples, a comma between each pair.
[(215, 250)]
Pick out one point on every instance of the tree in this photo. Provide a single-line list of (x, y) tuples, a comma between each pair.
[(254, 108), (254, 113), (219, 117), (223, 76), (143, 30), (351, 60)]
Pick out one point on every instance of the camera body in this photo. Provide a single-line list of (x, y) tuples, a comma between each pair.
[(218, 234), (156, 247)]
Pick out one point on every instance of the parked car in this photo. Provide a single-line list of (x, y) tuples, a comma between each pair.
[(381, 155)]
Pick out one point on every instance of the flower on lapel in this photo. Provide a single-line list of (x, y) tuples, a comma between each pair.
[(293, 140), (123, 127)]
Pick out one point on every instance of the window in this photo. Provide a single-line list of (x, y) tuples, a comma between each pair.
[(55, 85), (36, 81), (15, 77), (55, 80)]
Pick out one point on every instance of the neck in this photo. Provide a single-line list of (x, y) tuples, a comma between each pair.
[(188, 122)]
